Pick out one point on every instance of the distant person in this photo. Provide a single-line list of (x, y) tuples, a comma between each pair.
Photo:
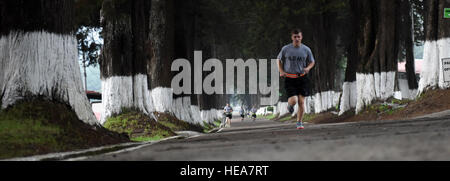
[(253, 112), (228, 111), (295, 60), (242, 113)]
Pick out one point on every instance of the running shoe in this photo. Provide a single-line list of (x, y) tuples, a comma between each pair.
[(290, 109), (300, 125)]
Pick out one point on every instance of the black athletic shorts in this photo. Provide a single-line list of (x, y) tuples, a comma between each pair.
[(228, 116), (297, 86)]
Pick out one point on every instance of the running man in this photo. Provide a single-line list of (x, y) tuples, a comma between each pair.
[(253, 111), (228, 111), (242, 113), (295, 60)]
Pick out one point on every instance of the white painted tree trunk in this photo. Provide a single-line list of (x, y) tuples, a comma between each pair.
[(120, 92), (42, 64), (282, 108), (163, 99), (432, 72), (323, 101), (405, 92), (370, 87), (348, 98), (183, 110), (211, 115)]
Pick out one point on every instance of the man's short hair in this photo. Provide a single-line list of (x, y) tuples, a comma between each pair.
[(296, 31)]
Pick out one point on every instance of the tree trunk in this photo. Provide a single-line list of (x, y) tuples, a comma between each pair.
[(136, 62), (124, 60), (39, 56), (85, 73), (436, 46), (161, 47), (409, 47), (186, 36), (324, 48), (348, 97), (378, 48)]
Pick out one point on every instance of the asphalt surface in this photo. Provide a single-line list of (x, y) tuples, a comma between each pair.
[(264, 140)]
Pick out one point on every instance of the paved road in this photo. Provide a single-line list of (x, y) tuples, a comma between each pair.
[(263, 140)]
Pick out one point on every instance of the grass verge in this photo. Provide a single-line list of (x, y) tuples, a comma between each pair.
[(140, 127), (38, 126)]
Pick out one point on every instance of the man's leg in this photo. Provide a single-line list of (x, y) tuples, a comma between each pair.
[(292, 101), (301, 104), (301, 108)]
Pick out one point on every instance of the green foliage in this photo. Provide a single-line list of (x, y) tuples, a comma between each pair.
[(137, 125), (118, 124), (418, 8), (88, 46), (23, 127), (168, 124), (217, 123), (385, 108), (19, 132), (208, 127), (140, 127), (158, 135), (142, 138), (401, 102)]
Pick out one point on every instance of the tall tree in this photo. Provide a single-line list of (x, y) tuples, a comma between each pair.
[(161, 51), (324, 33), (437, 44), (348, 96), (408, 34), (377, 40), (38, 54), (124, 60), (195, 30)]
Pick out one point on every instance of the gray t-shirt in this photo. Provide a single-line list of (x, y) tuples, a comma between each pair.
[(228, 109), (295, 59)]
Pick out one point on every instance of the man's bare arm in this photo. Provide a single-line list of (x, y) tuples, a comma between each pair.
[(309, 67), (280, 68)]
